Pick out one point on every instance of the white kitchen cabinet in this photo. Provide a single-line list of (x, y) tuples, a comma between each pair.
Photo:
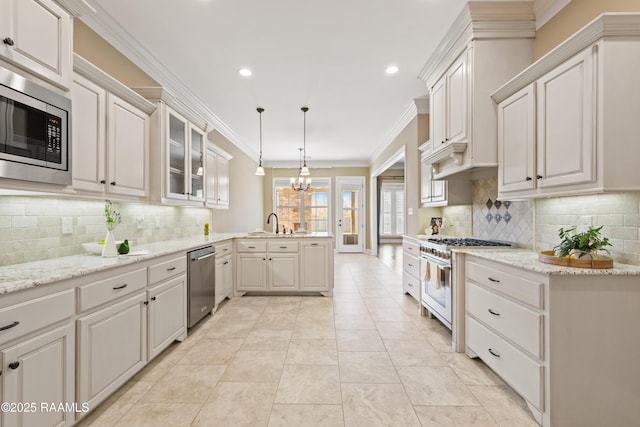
[(167, 314), (110, 130), (217, 187), (449, 109), (432, 192), (166, 303), (411, 268), (583, 113), (549, 336), (284, 264), (316, 269), (178, 150), (40, 370), (224, 271), (267, 266), (463, 72), (112, 347), (37, 37)]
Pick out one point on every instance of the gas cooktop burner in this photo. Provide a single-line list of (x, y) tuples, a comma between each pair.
[(468, 241)]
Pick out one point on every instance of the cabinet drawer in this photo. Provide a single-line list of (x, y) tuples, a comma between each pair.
[(516, 322), (251, 246), (411, 265), (167, 269), (411, 285), (103, 291), (29, 316), (523, 374), (411, 248), (282, 247), (498, 278), (223, 249)]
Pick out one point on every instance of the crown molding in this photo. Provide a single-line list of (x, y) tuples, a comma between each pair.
[(409, 114), (161, 94), (544, 12), (606, 26), (115, 34), (479, 20), (96, 75), (77, 7), (321, 164)]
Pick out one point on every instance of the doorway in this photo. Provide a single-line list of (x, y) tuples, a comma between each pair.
[(350, 209)]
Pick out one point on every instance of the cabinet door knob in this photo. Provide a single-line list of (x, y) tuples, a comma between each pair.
[(153, 298), (528, 178), (14, 365), (102, 181), (8, 41), (112, 183), (539, 176)]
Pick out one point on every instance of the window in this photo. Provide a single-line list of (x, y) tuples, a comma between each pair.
[(392, 209), (308, 210)]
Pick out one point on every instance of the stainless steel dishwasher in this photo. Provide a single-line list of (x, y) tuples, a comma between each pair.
[(201, 273)]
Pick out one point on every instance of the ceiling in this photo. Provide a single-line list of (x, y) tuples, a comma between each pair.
[(328, 55)]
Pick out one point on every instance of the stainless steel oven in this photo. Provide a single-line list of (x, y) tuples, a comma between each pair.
[(436, 269), (35, 128)]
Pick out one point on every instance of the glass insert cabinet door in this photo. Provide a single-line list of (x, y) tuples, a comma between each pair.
[(197, 165), (177, 185)]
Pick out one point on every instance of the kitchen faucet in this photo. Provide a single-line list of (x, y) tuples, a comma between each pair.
[(269, 219)]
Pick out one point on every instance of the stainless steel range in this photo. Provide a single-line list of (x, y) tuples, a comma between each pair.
[(437, 280)]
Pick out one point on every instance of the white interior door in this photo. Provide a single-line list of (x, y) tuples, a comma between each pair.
[(350, 231)]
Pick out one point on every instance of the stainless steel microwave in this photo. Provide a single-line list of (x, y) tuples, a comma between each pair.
[(35, 124)]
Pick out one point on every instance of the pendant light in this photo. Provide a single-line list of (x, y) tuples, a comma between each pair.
[(304, 170), (260, 170)]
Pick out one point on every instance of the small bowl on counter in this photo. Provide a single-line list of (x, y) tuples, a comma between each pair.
[(96, 248)]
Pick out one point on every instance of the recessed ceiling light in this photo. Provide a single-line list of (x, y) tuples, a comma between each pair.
[(392, 69), (245, 72)]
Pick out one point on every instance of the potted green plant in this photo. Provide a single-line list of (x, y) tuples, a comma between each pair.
[(581, 245)]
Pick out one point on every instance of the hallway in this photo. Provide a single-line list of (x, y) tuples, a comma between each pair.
[(362, 358)]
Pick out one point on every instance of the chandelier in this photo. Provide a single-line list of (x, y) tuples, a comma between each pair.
[(260, 169), (301, 183)]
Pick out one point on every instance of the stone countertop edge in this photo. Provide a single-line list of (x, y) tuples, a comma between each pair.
[(528, 260), (27, 275)]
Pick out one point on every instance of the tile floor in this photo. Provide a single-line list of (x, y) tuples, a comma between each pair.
[(364, 357)]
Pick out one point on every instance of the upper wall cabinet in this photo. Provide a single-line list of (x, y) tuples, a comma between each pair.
[(568, 124), (37, 36), (110, 131), (217, 188), (461, 76), (178, 150)]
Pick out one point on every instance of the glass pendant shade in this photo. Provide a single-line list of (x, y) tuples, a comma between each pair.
[(260, 171)]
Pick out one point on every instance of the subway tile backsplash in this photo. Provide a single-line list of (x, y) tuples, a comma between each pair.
[(31, 227)]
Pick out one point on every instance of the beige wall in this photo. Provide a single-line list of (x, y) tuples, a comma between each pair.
[(574, 16), (246, 192), (96, 50)]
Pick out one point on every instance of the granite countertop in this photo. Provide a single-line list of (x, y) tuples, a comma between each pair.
[(268, 235), (528, 260), (30, 274)]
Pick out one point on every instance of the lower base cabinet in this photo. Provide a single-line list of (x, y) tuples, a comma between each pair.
[(112, 348), (167, 314), (40, 371)]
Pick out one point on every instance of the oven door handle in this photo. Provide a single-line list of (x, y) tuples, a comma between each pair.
[(441, 264)]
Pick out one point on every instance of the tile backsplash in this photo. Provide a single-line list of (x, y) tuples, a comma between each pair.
[(618, 213), (511, 221), (31, 227)]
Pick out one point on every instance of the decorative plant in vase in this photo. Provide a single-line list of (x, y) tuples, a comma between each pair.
[(112, 218), (581, 245)]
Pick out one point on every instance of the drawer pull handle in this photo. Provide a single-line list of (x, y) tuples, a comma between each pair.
[(115, 288), (491, 279), (283, 247), (410, 285), (494, 312), (225, 249), (410, 265), (12, 325), (494, 353), (226, 262), (314, 244), (14, 365), (171, 268), (251, 247)]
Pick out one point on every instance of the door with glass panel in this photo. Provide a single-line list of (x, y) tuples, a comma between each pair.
[(350, 233)]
